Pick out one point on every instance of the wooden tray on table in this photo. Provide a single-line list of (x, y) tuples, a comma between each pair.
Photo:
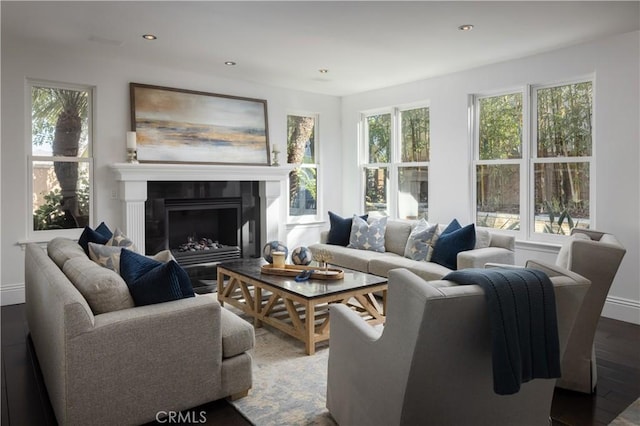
[(294, 270)]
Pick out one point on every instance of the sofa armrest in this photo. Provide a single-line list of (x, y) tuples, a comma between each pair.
[(477, 258), (146, 357)]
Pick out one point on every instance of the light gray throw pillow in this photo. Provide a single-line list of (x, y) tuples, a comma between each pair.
[(419, 241), (366, 236)]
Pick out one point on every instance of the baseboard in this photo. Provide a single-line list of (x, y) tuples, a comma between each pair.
[(11, 294), (622, 309)]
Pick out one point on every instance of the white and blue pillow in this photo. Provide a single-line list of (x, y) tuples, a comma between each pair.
[(368, 236), (420, 241)]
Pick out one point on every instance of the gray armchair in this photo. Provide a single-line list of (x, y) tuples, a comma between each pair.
[(596, 256), (431, 363)]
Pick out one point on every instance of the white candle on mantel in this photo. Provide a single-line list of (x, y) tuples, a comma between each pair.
[(131, 140)]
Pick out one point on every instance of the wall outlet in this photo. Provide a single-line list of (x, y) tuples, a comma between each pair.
[(114, 194)]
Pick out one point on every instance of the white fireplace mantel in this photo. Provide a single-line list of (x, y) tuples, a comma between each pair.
[(133, 178)]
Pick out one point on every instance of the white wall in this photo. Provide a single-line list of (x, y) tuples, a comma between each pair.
[(111, 78), (615, 63)]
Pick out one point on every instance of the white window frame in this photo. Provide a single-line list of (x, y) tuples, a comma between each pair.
[(318, 217), (393, 207), (530, 159), (73, 233)]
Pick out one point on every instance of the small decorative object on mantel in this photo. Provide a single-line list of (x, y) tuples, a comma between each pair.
[(275, 151), (132, 154)]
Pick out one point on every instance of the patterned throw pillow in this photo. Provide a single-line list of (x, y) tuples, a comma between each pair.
[(419, 244), (150, 281), (109, 256), (366, 236), (121, 240)]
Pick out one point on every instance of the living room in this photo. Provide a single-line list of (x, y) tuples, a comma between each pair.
[(608, 56)]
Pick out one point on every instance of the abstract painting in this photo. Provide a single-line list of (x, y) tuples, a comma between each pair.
[(176, 126)]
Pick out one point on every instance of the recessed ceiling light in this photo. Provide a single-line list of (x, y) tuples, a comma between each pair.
[(323, 70), (466, 27), (149, 37), (230, 63)]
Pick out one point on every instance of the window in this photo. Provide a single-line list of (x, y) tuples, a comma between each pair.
[(303, 179), (60, 160), (396, 166), (541, 187)]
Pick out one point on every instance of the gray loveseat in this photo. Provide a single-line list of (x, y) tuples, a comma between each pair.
[(126, 366), (499, 249)]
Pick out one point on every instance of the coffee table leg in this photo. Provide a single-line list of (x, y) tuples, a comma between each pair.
[(310, 328), (258, 307)]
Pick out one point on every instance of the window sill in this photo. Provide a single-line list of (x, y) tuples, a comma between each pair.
[(538, 246), (309, 224)]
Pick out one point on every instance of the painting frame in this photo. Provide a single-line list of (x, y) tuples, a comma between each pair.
[(186, 126)]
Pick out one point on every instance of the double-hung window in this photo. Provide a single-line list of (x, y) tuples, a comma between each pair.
[(60, 162), (533, 159), (302, 136), (396, 162)]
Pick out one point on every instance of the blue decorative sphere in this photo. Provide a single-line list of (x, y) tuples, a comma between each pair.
[(272, 246), (301, 256)]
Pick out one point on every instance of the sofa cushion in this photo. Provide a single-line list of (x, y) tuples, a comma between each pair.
[(368, 236), (340, 229), (483, 239), (109, 256), (396, 235), (150, 281), (419, 242), (238, 336), (61, 249), (426, 270), (452, 241), (92, 236), (348, 257), (103, 289)]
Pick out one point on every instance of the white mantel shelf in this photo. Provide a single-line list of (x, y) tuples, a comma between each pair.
[(195, 172), (133, 178)]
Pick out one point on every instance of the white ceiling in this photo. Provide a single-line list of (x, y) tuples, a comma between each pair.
[(365, 45)]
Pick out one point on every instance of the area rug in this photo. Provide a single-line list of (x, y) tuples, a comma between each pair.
[(289, 387), (629, 417)]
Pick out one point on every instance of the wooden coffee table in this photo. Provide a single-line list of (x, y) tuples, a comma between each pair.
[(300, 309)]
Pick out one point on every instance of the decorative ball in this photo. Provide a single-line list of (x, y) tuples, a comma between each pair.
[(272, 246), (301, 256)]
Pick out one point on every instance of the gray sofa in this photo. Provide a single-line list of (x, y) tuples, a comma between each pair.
[(500, 249), (125, 366)]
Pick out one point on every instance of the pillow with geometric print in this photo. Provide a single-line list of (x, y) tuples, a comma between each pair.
[(368, 236)]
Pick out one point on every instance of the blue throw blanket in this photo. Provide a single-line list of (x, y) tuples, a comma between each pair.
[(524, 328)]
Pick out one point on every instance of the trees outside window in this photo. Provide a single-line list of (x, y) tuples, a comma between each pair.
[(396, 166), (303, 178), (60, 160), (540, 184)]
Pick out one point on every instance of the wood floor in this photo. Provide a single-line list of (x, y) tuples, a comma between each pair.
[(25, 401)]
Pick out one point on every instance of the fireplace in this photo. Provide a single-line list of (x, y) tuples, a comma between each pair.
[(143, 189), (203, 223)]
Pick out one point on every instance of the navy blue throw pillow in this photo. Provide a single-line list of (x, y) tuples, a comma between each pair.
[(104, 230), (91, 236), (150, 281), (340, 230), (452, 241)]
